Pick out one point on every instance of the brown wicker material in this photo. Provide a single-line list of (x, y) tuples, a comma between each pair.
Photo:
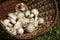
[(48, 10)]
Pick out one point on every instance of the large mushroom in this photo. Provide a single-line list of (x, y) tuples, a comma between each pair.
[(30, 28)]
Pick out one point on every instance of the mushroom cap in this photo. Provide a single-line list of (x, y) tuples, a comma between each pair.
[(20, 15), (12, 15), (7, 28), (18, 25), (34, 22), (13, 31), (5, 22), (35, 11), (30, 28), (20, 31), (31, 15), (9, 25), (12, 20), (27, 13)]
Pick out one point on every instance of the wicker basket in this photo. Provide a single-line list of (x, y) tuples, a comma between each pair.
[(48, 10)]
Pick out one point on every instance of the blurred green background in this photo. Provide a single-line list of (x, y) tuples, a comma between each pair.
[(53, 34)]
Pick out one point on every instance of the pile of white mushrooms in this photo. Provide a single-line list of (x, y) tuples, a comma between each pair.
[(22, 20)]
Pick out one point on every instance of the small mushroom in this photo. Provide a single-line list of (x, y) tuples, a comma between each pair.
[(27, 20), (25, 25), (35, 11), (12, 20), (30, 28), (27, 13), (41, 20), (5, 22), (13, 31), (9, 25), (24, 21), (31, 15), (36, 23), (18, 25), (16, 13), (32, 20), (7, 28), (36, 18), (20, 31), (20, 15), (23, 6), (12, 15)]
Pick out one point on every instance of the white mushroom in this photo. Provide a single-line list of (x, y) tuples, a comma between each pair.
[(7, 28), (20, 15), (35, 11), (25, 25), (31, 15), (32, 20), (5, 22), (36, 23), (30, 28), (24, 21), (18, 25), (12, 20), (9, 25), (12, 15), (27, 13), (16, 13), (23, 7), (20, 31), (41, 20), (36, 18), (27, 20), (13, 31)]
